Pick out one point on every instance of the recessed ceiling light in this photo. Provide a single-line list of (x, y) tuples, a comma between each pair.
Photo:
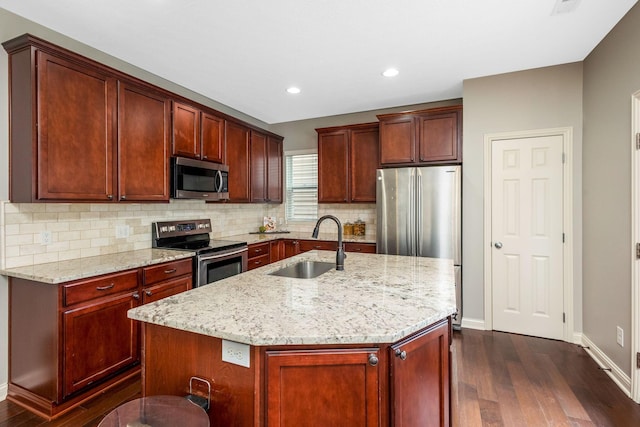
[(390, 72), (293, 90)]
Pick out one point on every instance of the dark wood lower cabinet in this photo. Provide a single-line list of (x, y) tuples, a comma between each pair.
[(92, 352), (323, 387), (73, 341), (420, 379), (350, 385)]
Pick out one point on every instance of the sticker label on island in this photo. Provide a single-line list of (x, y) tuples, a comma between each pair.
[(236, 353)]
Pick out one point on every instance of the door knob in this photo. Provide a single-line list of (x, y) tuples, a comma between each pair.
[(498, 245)]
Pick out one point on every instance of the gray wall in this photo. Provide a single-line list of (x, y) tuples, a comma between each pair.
[(611, 76), (534, 99)]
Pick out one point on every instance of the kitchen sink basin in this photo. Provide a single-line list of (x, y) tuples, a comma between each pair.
[(305, 269)]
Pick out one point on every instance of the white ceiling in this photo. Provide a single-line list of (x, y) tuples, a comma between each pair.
[(245, 53)]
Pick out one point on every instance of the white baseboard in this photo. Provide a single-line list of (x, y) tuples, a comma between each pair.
[(616, 374), (3, 391), (473, 324)]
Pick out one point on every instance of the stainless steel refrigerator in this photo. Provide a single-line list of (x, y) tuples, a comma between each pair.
[(419, 213)]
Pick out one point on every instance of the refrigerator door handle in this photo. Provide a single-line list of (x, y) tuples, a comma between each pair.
[(418, 209), (411, 223)]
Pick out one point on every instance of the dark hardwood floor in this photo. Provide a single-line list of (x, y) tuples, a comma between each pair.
[(499, 379)]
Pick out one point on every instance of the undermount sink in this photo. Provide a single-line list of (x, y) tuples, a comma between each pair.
[(305, 269)]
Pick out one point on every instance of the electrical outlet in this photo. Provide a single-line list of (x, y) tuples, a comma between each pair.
[(122, 231), (236, 353), (620, 336), (45, 238)]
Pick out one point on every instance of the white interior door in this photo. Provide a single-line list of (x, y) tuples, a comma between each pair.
[(527, 236)]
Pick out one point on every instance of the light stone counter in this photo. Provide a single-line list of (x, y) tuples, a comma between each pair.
[(66, 271), (377, 299)]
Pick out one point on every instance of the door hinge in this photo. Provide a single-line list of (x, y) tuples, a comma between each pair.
[(638, 360), (562, 237), (637, 250), (564, 317), (638, 141), (564, 158)]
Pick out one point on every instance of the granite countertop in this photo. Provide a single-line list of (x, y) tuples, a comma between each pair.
[(66, 271), (251, 238), (377, 299)]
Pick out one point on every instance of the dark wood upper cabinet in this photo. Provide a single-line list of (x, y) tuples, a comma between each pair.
[(266, 168), (143, 139), (70, 154), (81, 131), (186, 131), (212, 137), (274, 169), (423, 137), (258, 167), (238, 157), (347, 162), (197, 133)]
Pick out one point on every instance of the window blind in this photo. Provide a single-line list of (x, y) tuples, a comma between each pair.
[(301, 187)]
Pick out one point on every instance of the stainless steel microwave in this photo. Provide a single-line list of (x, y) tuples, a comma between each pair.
[(197, 179)]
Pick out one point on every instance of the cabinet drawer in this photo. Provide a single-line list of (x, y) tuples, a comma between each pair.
[(258, 262), (365, 248), (310, 245), (166, 289), (100, 287), (157, 273), (258, 250)]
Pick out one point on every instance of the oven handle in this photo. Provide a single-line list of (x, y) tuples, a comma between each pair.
[(224, 255)]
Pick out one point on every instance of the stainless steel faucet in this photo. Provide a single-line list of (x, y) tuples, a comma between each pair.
[(340, 255)]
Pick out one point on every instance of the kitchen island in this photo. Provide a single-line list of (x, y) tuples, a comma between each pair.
[(365, 346)]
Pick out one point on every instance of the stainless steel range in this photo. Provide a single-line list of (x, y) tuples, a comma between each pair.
[(215, 259)]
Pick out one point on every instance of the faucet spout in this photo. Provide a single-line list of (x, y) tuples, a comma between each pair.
[(340, 255)]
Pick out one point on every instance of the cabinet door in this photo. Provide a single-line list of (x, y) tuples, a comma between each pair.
[(276, 250), (166, 289), (274, 170), (333, 167), (439, 137), (76, 137), (186, 131), (397, 140), (420, 394), (363, 155), (290, 248), (310, 245), (323, 388), (99, 339), (237, 142), (258, 167), (212, 138), (143, 145)]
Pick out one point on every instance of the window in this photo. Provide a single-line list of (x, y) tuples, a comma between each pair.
[(301, 187)]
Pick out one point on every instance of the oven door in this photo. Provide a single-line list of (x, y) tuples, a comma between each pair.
[(216, 266)]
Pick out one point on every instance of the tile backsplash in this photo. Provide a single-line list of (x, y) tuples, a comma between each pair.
[(78, 230)]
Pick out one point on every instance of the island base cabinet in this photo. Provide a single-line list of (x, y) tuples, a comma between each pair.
[(419, 369), (323, 388)]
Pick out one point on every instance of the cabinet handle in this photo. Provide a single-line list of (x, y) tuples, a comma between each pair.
[(373, 359), (356, 249), (173, 270), (148, 293), (123, 197), (136, 295), (401, 354), (258, 250), (105, 288), (257, 262), (110, 196)]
